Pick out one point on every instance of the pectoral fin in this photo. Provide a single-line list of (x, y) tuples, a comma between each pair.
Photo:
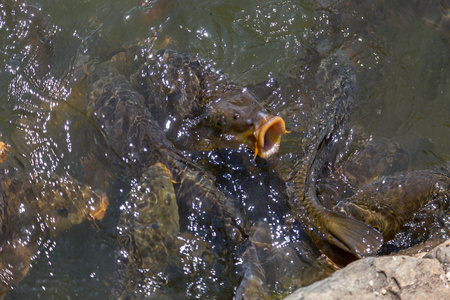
[(347, 239)]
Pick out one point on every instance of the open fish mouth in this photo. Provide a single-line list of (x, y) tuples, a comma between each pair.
[(268, 135)]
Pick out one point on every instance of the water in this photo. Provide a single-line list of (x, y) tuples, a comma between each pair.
[(400, 51)]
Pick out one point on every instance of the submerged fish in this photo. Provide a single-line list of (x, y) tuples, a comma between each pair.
[(138, 142), (148, 229), (390, 202), (32, 209)]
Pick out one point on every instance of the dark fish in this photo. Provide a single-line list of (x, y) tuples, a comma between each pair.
[(390, 202), (138, 142), (237, 119), (210, 110), (341, 238), (253, 285)]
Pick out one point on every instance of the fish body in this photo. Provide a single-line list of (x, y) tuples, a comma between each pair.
[(341, 238), (199, 108), (390, 202), (33, 208), (138, 142), (147, 232)]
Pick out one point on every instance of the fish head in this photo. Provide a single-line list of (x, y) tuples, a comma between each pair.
[(158, 180), (64, 202), (237, 118)]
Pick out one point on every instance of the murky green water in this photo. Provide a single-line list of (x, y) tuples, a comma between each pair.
[(400, 51)]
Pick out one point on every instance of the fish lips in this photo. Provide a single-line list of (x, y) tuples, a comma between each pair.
[(267, 136)]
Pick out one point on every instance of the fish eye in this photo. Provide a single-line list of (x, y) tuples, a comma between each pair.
[(378, 227), (236, 116), (63, 212), (220, 122)]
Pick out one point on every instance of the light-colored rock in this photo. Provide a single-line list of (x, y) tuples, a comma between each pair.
[(441, 253), (388, 277)]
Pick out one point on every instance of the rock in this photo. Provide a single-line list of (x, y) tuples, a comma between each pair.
[(442, 254), (388, 277)]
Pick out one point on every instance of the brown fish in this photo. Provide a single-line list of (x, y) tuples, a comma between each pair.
[(148, 229), (391, 201), (139, 142), (32, 208), (341, 238), (237, 118)]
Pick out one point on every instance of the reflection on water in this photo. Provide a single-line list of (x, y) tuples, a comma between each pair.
[(399, 50)]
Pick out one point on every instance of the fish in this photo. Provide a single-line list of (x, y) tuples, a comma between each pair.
[(147, 232), (341, 238), (137, 142), (253, 284), (239, 119), (211, 110), (389, 202), (33, 208)]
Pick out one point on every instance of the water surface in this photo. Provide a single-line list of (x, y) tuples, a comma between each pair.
[(399, 50)]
